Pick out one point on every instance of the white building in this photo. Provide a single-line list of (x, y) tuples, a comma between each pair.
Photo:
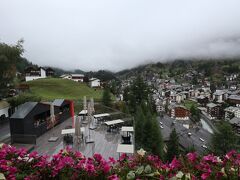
[(35, 74), (94, 82), (66, 76), (231, 112), (77, 77), (74, 77), (220, 95)]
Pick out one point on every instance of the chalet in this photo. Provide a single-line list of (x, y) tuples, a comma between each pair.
[(66, 76), (77, 77), (179, 112), (234, 100), (32, 73), (94, 82), (50, 72), (32, 119), (214, 111), (231, 112), (220, 96)]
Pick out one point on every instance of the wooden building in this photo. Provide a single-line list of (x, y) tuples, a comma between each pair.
[(32, 119), (179, 112), (32, 73), (50, 72)]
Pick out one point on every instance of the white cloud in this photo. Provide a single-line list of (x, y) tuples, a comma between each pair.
[(120, 34)]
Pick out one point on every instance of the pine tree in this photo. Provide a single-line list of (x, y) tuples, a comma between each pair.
[(151, 135), (106, 98), (172, 146), (157, 140), (224, 140), (139, 123), (138, 93), (195, 114), (147, 133)]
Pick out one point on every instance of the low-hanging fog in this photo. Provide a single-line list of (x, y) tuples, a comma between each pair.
[(119, 34)]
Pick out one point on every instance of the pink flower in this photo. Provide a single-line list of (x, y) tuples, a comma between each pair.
[(205, 175), (33, 154), (230, 154), (90, 168), (112, 160), (78, 154), (174, 164), (106, 168), (192, 156), (209, 157), (97, 157), (123, 157), (113, 177)]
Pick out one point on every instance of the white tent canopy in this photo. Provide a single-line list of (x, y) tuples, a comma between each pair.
[(83, 112), (127, 129), (113, 122), (125, 148), (101, 115), (71, 131)]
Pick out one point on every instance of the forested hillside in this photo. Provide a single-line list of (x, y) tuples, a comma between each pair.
[(214, 69)]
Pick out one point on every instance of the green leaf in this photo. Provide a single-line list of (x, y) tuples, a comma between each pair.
[(2, 177), (139, 170), (150, 175), (148, 169), (131, 175)]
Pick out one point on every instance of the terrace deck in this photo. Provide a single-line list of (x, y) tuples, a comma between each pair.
[(105, 142)]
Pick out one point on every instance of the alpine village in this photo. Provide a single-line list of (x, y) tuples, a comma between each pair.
[(120, 90)]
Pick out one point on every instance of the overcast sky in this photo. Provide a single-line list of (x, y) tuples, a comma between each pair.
[(119, 34)]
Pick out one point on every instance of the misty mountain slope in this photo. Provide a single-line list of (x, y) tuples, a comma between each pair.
[(212, 68)]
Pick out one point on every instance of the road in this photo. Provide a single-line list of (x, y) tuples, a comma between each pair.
[(209, 122)]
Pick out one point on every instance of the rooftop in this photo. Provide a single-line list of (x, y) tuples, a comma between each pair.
[(232, 109), (235, 97), (211, 105), (235, 120), (23, 110), (58, 102)]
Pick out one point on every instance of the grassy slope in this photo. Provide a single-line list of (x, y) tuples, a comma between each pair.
[(53, 88)]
